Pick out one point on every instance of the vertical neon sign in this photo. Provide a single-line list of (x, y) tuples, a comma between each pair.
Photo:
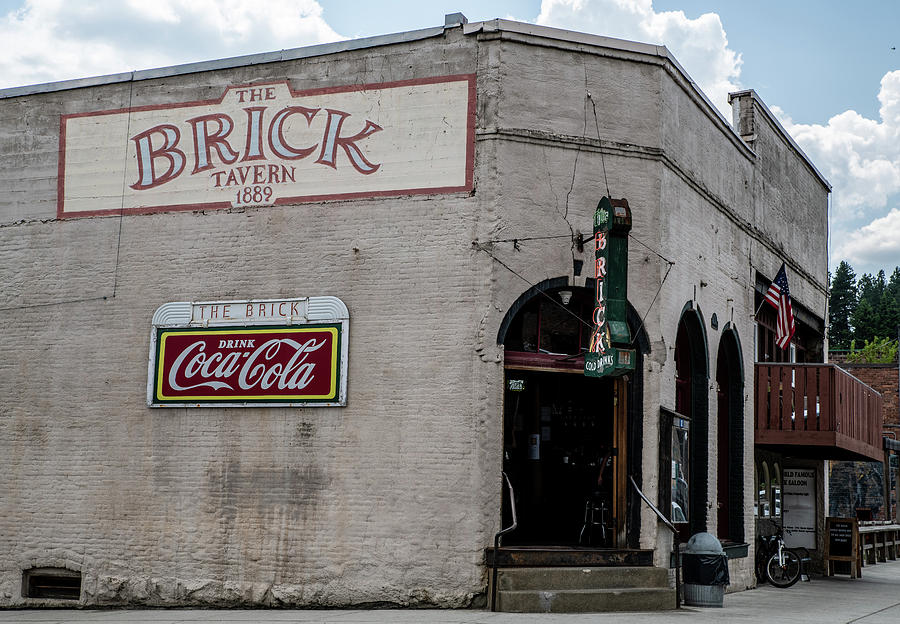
[(609, 350), (600, 339)]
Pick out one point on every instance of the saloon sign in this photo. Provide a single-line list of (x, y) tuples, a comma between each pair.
[(261, 352), (266, 144)]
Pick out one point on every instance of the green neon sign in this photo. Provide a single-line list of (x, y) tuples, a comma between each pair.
[(609, 351)]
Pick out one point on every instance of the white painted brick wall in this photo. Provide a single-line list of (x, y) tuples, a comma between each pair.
[(393, 498)]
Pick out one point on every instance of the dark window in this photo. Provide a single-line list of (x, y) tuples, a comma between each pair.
[(730, 439), (58, 583), (807, 342), (691, 378), (767, 351), (683, 372), (546, 325)]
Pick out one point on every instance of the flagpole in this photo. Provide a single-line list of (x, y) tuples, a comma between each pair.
[(759, 308), (764, 296)]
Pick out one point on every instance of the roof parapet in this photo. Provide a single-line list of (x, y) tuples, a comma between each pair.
[(745, 125), (451, 20), (321, 49)]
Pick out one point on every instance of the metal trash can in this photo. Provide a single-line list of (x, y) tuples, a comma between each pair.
[(705, 571)]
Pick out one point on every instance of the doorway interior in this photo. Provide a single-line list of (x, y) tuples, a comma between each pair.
[(560, 453), (565, 434)]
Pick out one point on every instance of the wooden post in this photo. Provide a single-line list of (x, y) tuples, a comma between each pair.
[(886, 483), (620, 394), (858, 567)]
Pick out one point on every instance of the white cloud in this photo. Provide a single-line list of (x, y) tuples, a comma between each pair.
[(49, 40), (874, 245), (861, 159), (700, 44), (859, 156)]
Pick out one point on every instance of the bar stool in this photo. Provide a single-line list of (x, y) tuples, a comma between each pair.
[(596, 514)]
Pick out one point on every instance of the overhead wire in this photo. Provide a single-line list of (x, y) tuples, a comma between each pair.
[(530, 283), (124, 184), (650, 307), (52, 303), (522, 239), (118, 234), (599, 140), (578, 240), (543, 292)]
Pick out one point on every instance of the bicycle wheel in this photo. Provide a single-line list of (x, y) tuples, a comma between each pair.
[(784, 575)]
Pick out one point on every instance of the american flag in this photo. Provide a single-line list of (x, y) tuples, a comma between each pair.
[(780, 297)]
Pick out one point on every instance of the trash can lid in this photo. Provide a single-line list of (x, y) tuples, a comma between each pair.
[(704, 544)]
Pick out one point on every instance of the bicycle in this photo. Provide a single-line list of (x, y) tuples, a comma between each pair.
[(775, 563)]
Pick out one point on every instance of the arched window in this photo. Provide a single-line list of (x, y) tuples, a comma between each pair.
[(544, 324), (730, 437), (691, 400)]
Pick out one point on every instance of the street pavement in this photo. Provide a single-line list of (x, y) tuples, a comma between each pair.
[(873, 599)]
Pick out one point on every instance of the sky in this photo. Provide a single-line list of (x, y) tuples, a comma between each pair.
[(829, 70)]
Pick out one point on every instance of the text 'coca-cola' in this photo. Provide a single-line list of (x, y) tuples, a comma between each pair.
[(240, 364)]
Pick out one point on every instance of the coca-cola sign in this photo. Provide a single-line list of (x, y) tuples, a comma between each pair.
[(230, 353)]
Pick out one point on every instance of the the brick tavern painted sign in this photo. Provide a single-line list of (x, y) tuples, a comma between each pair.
[(240, 353), (265, 144)]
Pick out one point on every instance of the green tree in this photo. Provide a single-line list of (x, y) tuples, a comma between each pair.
[(841, 304), (863, 320), (887, 316), (870, 287), (878, 351), (894, 282), (866, 318), (893, 286)]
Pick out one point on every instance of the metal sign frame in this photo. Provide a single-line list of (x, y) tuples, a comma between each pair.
[(257, 315), (609, 352)]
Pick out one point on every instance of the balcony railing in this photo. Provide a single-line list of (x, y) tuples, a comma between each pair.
[(817, 411)]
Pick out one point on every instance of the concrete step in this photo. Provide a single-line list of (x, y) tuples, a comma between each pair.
[(566, 556), (586, 600), (550, 579)]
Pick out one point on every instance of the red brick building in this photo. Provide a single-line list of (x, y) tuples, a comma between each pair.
[(856, 488), (885, 378)]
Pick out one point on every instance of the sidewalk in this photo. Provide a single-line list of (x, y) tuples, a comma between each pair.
[(874, 599)]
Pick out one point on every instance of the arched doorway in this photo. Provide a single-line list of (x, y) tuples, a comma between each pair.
[(691, 400), (566, 436), (730, 438)]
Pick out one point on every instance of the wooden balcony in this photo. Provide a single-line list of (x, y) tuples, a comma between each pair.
[(817, 411)]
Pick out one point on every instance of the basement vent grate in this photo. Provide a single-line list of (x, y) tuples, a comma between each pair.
[(59, 583)]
